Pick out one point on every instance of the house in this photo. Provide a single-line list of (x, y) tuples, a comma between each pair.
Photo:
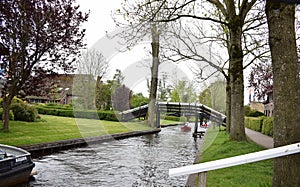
[(255, 105), (61, 91), (269, 105)]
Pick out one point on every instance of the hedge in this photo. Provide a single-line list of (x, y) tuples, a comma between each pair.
[(89, 114), (172, 118), (267, 127), (261, 124)]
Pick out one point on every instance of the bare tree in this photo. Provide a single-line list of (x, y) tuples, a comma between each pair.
[(235, 20), (91, 67), (136, 28), (286, 89)]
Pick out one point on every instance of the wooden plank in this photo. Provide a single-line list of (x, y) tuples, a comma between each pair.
[(237, 160)]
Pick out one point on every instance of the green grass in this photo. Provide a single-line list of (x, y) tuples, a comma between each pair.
[(54, 128), (253, 175)]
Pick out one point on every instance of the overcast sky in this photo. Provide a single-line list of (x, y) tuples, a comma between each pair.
[(99, 23)]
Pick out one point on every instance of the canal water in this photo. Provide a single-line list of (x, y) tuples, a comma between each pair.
[(136, 161)]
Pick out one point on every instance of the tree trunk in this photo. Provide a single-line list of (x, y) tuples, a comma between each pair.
[(237, 129), (154, 75), (228, 105), (286, 89), (5, 115)]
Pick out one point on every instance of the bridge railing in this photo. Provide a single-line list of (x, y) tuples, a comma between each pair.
[(234, 161)]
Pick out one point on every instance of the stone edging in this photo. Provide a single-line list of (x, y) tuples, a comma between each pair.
[(42, 149)]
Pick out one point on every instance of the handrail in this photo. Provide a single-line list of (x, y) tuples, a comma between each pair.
[(237, 160)]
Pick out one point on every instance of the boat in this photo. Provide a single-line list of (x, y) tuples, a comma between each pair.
[(15, 166), (185, 128)]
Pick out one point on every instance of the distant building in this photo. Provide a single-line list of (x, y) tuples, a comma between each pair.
[(269, 105), (259, 106), (61, 92)]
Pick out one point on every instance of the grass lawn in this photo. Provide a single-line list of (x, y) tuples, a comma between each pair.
[(252, 175), (54, 128)]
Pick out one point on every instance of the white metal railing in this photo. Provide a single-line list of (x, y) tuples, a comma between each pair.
[(237, 160)]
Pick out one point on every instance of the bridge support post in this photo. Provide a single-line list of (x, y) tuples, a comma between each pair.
[(198, 115), (196, 125)]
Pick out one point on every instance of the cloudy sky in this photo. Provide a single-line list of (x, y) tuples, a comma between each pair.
[(99, 23)]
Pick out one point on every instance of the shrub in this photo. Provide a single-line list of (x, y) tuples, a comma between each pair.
[(11, 114), (267, 127), (247, 122), (255, 113), (172, 118), (66, 113), (23, 112), (247, 110)]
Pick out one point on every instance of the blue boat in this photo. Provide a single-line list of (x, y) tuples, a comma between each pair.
[(15, 166)]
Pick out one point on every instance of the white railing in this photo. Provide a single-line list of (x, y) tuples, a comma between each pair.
[(237, 160)]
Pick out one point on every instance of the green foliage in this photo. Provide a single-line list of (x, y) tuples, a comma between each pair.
[(138, 100), (253, 123), (23, 112), (14, 100), (261, 124), (205, 98), (69, 112), (214, 96), (172, 118), (255, 113), (252, 113), (267, 127), (247, 110), (183, 91), (11, 114)]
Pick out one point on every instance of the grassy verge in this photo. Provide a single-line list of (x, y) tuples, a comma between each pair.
[(54, 128), (252, 175)]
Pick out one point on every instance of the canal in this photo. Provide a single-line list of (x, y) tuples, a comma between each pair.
[(137, 161)]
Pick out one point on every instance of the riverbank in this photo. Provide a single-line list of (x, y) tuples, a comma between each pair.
[(42, 149), (52, 133), (254, 174)]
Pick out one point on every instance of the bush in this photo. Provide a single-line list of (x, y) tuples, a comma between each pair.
[(66, 113), (255, 113), (11, 114), (23, 112), (172, 118), (247, 110), (267, 127), (254, 123)]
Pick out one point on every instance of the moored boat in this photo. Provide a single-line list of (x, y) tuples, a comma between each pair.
[(15, 166)]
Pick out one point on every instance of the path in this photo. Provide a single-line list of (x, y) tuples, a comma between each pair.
[(259, 138)]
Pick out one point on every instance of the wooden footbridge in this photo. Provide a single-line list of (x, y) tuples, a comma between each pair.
[(199, 111)]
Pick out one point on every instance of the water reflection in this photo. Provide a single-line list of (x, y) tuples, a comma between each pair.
[(137, 161)]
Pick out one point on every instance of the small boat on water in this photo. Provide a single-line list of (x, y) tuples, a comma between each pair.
[(185, 128), (15, 166)]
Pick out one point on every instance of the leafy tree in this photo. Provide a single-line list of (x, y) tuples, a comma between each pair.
[(214, 96), (183, 91), (138, 100), (104, 91), (41, 37), (286, 89), (103, 95), (205, 98)]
